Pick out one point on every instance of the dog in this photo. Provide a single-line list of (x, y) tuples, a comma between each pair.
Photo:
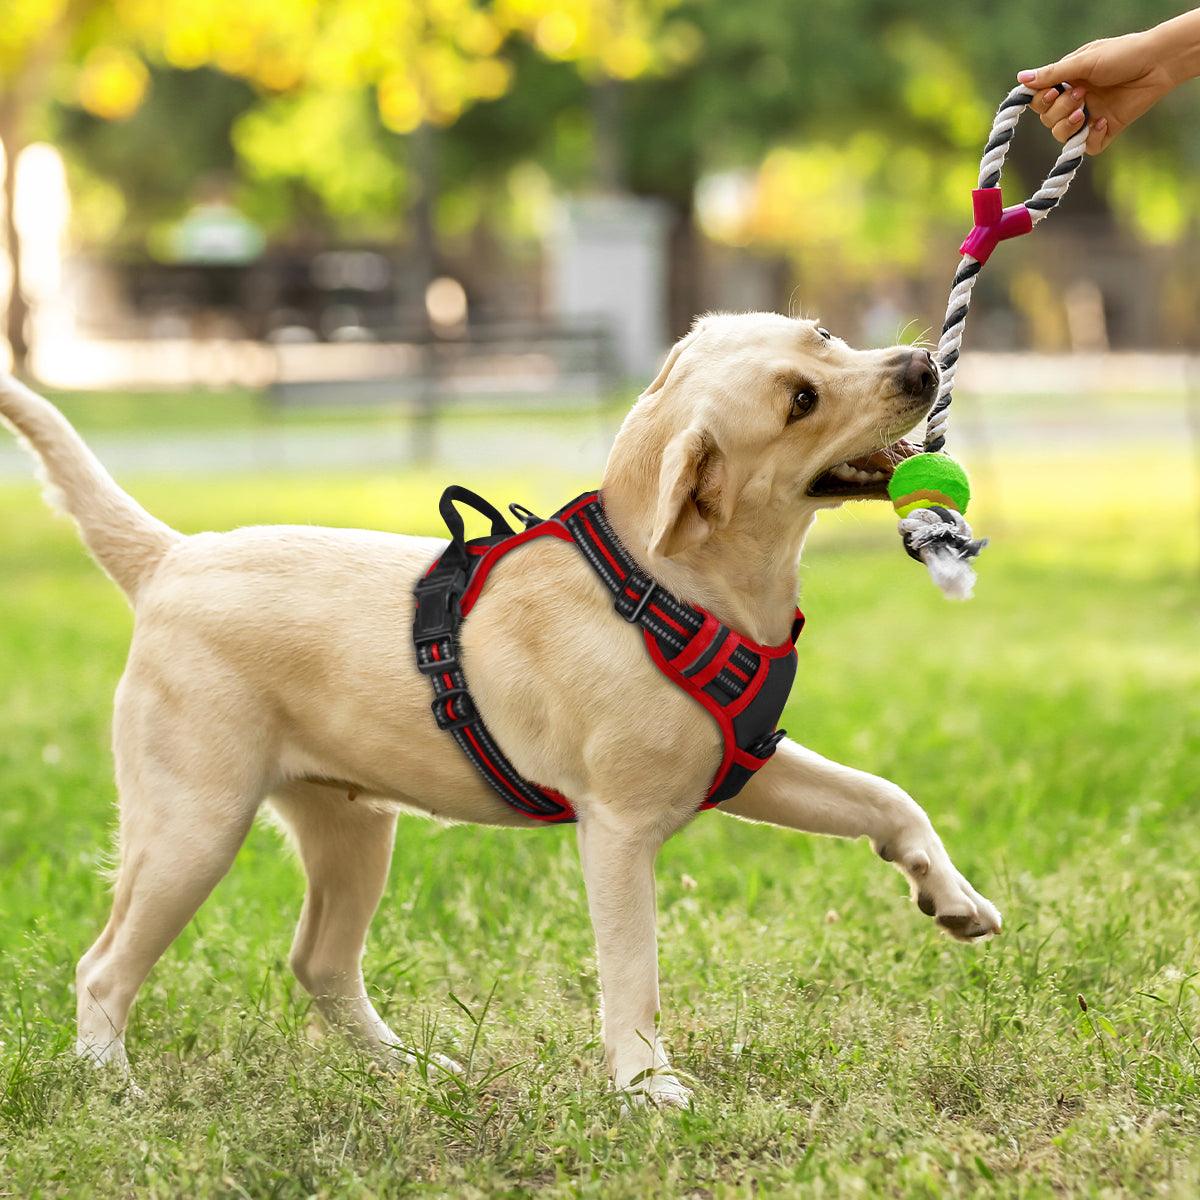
[(274, 665)]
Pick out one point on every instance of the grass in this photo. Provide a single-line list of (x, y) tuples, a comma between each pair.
[(219, 410), (836, 1044)]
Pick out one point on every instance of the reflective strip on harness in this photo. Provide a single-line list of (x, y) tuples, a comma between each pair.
[(743, 685)]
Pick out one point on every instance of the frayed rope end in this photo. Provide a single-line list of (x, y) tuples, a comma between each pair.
[(941, 539), (954, 575)]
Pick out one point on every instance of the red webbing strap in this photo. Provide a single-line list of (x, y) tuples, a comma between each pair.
[(440, 595)]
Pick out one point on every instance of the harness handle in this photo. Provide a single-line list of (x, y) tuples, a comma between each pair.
[(456, 494)]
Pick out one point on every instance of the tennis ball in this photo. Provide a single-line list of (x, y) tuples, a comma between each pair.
[(928, 479)]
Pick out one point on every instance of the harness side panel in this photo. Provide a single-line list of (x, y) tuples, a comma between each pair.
[(742, 685)]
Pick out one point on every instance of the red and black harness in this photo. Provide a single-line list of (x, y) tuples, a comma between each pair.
[(742, 684)]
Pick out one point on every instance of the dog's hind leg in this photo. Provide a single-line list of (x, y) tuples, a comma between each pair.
[(345, 846), (798, 789), (188, 793)]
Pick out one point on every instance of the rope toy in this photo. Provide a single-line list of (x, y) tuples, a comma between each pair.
[(930, 491)]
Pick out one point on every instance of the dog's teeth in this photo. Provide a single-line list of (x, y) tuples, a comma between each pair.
[(849, 474)]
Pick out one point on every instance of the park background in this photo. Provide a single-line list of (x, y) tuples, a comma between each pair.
[(308, 262)]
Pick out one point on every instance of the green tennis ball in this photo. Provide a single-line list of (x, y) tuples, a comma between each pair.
[(928, 479)]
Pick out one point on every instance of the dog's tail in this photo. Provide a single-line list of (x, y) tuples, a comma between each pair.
[(121, 535)]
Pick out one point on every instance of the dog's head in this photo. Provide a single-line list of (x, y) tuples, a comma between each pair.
[(759, 418)]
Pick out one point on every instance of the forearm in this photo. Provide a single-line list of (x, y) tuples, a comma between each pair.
[(1176, 44), (798, 789)]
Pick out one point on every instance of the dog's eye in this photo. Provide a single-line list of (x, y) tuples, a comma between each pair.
[(824, 333), (803, 402)]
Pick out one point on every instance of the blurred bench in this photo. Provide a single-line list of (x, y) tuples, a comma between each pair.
[(540, 363)]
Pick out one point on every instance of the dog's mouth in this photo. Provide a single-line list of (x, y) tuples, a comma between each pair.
[(864, 478)]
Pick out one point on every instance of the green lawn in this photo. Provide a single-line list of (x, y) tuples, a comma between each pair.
[(837, 1045), (202, 410), (223, 409)]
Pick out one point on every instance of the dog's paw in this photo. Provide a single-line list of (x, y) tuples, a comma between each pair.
[(399, 1058), (956, 906), (438, 1064), (659, 1089), (111, 1069), (943, 893), (118, 1084)]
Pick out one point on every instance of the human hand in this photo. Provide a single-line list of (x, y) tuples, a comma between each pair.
[(1118, 78)]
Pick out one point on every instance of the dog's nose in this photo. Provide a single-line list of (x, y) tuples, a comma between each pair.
[(919, 375)]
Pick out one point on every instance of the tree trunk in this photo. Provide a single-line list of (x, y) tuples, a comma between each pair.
[(608, 156), (16, 318), (685, 283), (425, 263), (424, 257)]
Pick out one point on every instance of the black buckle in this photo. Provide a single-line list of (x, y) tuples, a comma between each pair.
[(436, 601), (443, 719), (765, 746), (640, 607)]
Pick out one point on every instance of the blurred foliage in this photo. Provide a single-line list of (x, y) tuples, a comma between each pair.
[(24, 25), (155, 157), (851, 128), (293, 145)]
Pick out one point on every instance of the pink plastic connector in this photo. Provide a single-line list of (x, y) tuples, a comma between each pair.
[(993, 223)]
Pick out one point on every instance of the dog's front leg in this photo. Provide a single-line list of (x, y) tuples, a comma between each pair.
[(618, 869), (801, 790)]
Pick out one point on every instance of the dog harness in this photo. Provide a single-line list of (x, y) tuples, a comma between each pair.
[(742, 684)]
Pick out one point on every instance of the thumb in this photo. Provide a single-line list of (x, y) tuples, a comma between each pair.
[(1066, 70)]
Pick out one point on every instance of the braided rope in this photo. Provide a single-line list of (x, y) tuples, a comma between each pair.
[(1039, 205)]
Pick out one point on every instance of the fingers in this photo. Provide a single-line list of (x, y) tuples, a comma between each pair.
[(1069, 68), (1098, 136), (1042, 101), (1061, 113), (1052, 107), (1068, 127)]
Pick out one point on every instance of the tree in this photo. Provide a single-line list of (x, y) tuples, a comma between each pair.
[(858, 122), (425, 61), (32, 36)]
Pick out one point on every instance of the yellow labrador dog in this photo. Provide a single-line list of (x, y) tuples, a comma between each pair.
[(275, 664)]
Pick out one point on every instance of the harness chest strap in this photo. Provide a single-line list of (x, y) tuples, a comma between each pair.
[(742, 684)]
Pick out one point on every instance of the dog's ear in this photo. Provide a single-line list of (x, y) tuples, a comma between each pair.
[(693, 496), (672, 358)]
